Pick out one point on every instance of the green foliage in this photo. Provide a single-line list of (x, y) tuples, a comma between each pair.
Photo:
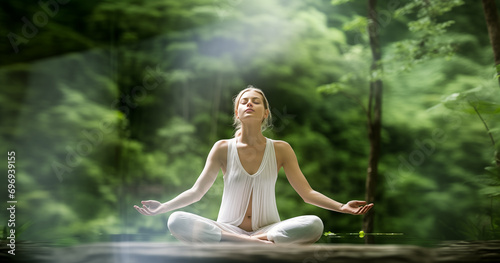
[(114, 102), (357, 24), (468, 102), (411, 170), (429, 34), (339, 2), (481, 101)]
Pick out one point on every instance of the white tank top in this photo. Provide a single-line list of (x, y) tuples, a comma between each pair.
[(238, 186)]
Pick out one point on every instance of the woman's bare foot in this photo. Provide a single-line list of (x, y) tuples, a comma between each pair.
[(244, 238), (258, 240), (262, 237)]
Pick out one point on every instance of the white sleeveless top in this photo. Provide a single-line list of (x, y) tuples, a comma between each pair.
[(238, 186)]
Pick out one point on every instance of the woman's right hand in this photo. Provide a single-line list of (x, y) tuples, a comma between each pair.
[(150, 208), (356, 207)]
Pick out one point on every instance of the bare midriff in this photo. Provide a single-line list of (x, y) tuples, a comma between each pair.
[(246, 224)]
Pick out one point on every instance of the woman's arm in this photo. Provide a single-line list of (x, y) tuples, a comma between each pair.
[(196, 192), (302, 187)]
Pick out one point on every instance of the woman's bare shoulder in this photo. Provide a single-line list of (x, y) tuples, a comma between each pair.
[(219, 151), (281, 144), (220, 148), (221, 144), (282, 147), (283, 151)]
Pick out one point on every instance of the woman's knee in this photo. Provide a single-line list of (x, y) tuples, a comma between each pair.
[(178, 221), (189, 227), (311, 225), (302, 229), (315, 226)]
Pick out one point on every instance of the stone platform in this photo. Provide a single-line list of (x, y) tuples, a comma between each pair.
[(141, 252)]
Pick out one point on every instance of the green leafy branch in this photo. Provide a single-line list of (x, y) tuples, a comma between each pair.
[(428, 42), (341, 87), (469, 103)]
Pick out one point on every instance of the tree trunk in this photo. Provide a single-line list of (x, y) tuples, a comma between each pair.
[(492, 22), (374, 118)]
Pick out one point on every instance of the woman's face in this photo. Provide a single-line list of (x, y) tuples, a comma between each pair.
[(251, 107)]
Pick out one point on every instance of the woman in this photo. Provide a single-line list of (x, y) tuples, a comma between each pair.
[(250, 163)]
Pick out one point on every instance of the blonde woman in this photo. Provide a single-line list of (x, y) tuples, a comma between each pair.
[(250, 163)]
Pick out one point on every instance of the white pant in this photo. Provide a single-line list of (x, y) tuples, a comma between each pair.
[(191, 228)]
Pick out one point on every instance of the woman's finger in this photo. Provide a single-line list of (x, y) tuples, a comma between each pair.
[(139, 210), (145, 212), (366, 208), (360, 202), (358, 211)]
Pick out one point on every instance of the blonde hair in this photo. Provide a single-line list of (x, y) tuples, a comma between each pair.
[(266, 122)]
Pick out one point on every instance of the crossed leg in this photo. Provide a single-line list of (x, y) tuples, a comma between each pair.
[(191, 228)]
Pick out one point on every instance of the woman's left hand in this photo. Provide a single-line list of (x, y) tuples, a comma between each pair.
[(149, 208), (356, 207)]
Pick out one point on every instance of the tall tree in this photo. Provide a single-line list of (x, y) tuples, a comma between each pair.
[(492, 22), (374, 116)]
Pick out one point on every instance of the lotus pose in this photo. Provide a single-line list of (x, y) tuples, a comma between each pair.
[(250, 163)]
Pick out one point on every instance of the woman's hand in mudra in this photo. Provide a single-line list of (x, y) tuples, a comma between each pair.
[(149, 208), (356, 207)]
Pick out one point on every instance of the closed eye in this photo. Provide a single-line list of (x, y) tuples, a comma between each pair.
[(254, 100)]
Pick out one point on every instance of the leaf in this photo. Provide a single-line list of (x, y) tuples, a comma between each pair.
[(493, 170), (332, 88), (359, 24), (468, 102), (457, 102), (339, 2), (485, 107), (490, 191)]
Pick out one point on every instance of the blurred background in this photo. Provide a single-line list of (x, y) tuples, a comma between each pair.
[(107, 103)]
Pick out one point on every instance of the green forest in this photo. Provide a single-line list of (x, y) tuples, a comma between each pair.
[(107, 103)]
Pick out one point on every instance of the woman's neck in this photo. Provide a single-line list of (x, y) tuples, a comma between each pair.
[(251, 135)]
